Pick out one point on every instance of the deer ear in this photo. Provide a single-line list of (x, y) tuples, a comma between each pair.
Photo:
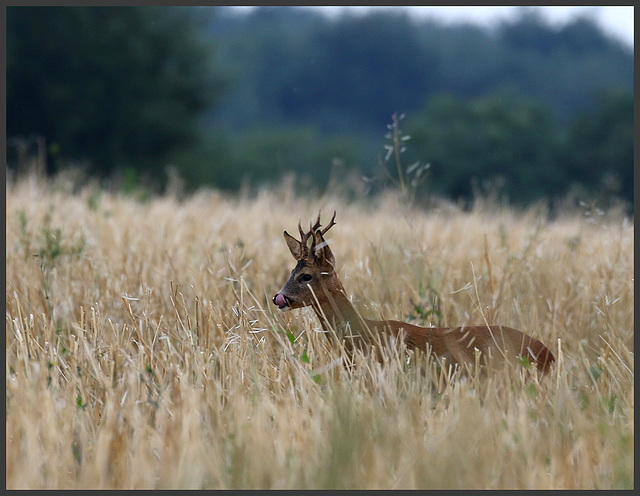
[(321, 250), (294, 245)]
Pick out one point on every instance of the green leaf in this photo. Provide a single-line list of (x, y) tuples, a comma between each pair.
[(595, 372), (305, 357), (524, 362), (531, 391)]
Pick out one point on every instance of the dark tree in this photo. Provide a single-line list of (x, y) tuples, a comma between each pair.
[(114, 87), (600, 148), (500, 141)]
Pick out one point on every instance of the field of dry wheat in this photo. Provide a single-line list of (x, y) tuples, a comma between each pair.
[(143, 349)]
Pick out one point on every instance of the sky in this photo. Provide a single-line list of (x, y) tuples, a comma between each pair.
[(615, 20)]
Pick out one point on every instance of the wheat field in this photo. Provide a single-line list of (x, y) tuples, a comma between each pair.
[(143, 350)]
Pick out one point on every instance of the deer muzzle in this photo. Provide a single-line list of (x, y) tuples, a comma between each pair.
[(282, 302)]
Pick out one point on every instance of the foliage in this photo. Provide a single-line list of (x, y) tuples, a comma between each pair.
[(136, 92), (601, 147), (112, 86), (263, 156), (502, 140), (485, 110), (356, 71)]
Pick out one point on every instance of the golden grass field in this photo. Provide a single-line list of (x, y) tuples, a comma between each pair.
[(143, 349)]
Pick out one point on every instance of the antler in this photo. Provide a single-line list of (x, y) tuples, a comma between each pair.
[(317, 224), (331, 224), (304, 236)]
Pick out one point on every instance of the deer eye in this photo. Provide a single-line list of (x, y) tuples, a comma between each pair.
[(305, 278)]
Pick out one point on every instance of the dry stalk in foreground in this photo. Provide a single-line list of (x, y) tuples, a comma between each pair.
[(143, 350)]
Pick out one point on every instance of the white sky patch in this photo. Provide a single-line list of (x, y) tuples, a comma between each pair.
[(614, 20)]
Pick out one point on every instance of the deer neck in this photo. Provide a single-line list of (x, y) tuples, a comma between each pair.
[(337, 314)]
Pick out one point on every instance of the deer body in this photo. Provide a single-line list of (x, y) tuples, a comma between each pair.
[(314, 282)]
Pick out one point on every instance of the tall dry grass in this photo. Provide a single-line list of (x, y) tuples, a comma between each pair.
[(143, 351)]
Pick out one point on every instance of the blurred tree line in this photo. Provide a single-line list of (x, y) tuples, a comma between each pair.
[(113, 88), (529, 109)]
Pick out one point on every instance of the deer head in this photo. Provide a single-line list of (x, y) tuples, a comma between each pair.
[(313, 280)]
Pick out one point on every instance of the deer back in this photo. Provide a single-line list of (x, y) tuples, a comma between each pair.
[(496, 344)]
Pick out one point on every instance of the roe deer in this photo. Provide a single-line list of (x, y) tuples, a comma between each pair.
[(314, 282)]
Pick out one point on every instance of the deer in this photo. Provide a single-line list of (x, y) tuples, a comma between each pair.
[(314, 283)]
